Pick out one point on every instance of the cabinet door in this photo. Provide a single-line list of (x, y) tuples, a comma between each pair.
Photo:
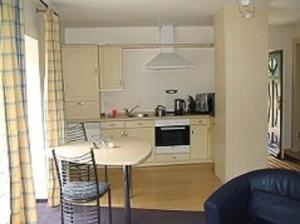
[(199, 143), (111, 68), (112, 133), (80, 71), (82, 110), (146, 134)]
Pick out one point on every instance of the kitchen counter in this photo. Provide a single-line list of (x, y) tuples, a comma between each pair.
[(201, 134), (123, 117)]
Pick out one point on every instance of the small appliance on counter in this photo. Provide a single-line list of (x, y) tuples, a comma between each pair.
[(170, 96), (205, 103), (191, 108), (179, 108), (160, 111)]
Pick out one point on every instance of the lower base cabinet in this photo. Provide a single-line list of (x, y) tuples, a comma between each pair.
[(172, 157), (200, 139), (146, 134), (112, 133)]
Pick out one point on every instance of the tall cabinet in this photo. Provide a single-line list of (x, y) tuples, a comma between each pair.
[(81, 80)]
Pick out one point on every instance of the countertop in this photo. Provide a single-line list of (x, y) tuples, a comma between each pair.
[(123, 117)]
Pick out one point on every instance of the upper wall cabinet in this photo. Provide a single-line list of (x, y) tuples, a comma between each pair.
[(111, 68), (81, 81), (80, 69)]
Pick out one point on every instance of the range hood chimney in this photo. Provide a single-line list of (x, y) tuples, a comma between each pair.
[(167, 59)]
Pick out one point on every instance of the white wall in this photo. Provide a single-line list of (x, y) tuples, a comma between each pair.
[(241, 94), (297, 31), (147, 88), (280, 38)]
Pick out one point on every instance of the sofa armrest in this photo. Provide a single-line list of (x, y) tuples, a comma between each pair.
[(228, 205)]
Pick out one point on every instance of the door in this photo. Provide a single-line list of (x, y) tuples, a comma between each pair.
[(275, 73)]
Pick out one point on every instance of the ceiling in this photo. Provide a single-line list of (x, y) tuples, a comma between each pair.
[(105, 13)]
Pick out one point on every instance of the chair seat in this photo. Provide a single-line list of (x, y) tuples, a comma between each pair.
[(83, 190)]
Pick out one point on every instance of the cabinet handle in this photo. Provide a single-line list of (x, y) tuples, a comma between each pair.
[(140, 123), (192, 132), (200, 121), (112, 125), (174, 157), (80, 103)]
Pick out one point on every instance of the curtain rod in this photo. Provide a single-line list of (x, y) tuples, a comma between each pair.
[(43, 10)]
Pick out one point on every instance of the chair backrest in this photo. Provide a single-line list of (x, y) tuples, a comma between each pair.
[(276, 181), (275, 195), (76, 133), (261, 196), (79, 174)]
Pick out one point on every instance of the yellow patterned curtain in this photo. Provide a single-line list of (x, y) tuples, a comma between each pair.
[(13, 103), (54, 98)]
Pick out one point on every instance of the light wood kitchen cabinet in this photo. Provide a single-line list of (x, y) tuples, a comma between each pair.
[(81, 78), (142, 129), (172, 157), (82, 109), (112, 124), (80, 71), (199, 139), (112, 129), (112, 133), (144, 133), (111, 68)]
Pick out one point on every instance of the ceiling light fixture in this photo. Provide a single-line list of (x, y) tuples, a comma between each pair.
[(246, 8)]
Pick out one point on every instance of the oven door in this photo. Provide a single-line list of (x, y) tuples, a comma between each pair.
[(172, 139)]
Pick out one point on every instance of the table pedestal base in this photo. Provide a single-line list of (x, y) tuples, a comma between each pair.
[(126, 181)]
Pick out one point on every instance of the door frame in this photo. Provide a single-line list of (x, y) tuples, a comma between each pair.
[(296, 42)]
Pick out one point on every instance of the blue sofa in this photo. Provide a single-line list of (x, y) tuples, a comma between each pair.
[(267, 196)]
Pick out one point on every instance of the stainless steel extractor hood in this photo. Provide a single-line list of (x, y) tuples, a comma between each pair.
[(168, 59)]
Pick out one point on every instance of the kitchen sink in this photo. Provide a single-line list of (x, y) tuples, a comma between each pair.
[(139, 115)]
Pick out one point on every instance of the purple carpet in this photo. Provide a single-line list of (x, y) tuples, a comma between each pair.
[(139, 216)]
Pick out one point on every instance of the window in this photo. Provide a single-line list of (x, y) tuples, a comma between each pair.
[(35, 118), (4, 169)]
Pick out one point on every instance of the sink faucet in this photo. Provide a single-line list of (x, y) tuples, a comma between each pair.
[(129, 112)]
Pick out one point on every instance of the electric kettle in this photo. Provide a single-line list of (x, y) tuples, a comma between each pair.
[(179, 108)]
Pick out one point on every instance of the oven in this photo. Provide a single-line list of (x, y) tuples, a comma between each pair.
[(172, 136)]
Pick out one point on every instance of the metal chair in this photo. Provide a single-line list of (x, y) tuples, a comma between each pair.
[(76, 133), (79, 184)]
